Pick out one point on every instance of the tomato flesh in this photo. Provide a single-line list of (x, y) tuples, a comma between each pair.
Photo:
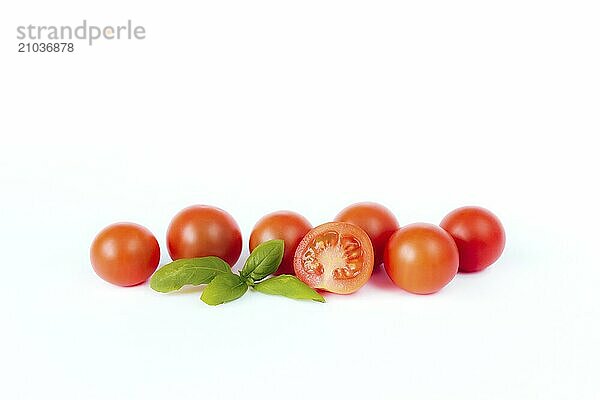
[(336, 257)]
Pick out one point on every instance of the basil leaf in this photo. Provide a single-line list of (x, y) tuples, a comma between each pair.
[(190, 271), (264, 260), (288, 286), (224, 288)]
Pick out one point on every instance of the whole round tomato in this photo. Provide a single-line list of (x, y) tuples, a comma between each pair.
[(336, 256), (421, 258), (200, 231), (125, 254), (285, 225), (478, 234), (376, 220)]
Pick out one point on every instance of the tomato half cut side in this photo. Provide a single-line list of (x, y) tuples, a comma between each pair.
[(336, 257)]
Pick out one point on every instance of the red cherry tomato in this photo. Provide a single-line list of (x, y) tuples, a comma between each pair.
[(478, 234), (376, 220), (125, 254), (285, 225), (200, 231), (336, 256), (421, 258)]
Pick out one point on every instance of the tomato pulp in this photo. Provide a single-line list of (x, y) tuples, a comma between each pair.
[(336, 257)]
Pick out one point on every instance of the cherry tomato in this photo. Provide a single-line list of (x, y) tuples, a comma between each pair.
[(285, 225), (336, 256), (125, 254), (376, 220), (478, 234), (421, 258), (200, 231)]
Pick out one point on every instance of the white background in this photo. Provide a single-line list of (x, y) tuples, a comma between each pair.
[(255, 106)]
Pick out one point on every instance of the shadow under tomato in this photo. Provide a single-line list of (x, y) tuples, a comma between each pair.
[(325, 293), (380, 279)]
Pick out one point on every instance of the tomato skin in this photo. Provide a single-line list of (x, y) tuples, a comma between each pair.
[(288, 226), (478, 234), (342, 255), (376, 220), (421, 258), (200, 231), (125, 254)]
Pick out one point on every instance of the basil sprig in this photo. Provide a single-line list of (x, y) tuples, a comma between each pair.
[(264, 260), (224, 286), (288, 286), (190, 271)]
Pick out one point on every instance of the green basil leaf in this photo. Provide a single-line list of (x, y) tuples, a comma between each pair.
[(190, 271), (224, 288), (264, 260), (288, 286)]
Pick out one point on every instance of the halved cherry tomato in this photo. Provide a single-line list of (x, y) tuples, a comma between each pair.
[(421, 258), (478, 234), (200, 231), (125, 254), (336, 256), (285, 225), (376, 220)]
